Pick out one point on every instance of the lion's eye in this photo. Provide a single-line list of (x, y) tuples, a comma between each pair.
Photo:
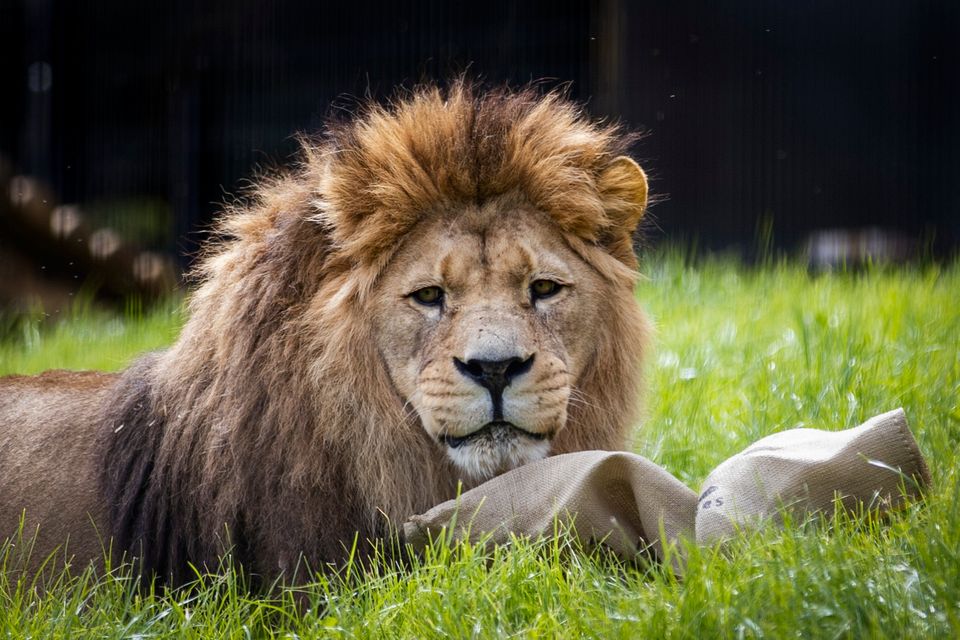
[(540, 289), (429, 296)]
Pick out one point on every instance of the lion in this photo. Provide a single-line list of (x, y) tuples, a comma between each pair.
[(441, 290)]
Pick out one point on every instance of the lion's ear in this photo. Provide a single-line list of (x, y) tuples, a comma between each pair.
[(623, 186)]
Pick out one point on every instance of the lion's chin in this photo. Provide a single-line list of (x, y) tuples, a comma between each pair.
[(495, 449)]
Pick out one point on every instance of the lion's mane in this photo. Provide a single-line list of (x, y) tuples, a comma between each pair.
[(271, 428)]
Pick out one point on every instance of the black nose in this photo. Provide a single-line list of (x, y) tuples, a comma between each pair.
[(494, 376)]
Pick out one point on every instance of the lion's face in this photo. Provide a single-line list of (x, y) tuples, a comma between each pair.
[(485, 324)]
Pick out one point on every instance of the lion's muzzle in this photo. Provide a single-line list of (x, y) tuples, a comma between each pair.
[(498, 396)]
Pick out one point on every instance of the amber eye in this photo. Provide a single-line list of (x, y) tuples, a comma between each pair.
[(540, 289), (429, 296)]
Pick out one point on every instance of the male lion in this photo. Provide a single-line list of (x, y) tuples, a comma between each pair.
[(441, 291)]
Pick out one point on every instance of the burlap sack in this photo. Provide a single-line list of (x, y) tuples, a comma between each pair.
[(803, 470), (624, 501), (612, 498)]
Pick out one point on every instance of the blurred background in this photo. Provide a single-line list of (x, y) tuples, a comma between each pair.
[(825, 130)]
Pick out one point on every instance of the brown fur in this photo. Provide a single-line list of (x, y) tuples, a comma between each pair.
[(49, 463), (271, 426)]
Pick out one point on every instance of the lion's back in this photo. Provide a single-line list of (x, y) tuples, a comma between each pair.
[(48, 459)]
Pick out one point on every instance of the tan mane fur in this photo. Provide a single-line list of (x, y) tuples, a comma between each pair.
[(273, 406)]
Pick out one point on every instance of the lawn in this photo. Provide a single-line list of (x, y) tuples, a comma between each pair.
[(740, 353)]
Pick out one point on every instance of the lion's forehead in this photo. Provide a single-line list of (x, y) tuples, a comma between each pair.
[(490, 264), (503, 254)]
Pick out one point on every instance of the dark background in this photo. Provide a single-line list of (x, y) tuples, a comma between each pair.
[(785, 116)]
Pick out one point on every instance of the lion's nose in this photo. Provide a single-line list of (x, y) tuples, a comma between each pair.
[(494, 376)]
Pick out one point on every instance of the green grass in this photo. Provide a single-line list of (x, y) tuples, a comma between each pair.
[(87, 338), (740, 354)]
